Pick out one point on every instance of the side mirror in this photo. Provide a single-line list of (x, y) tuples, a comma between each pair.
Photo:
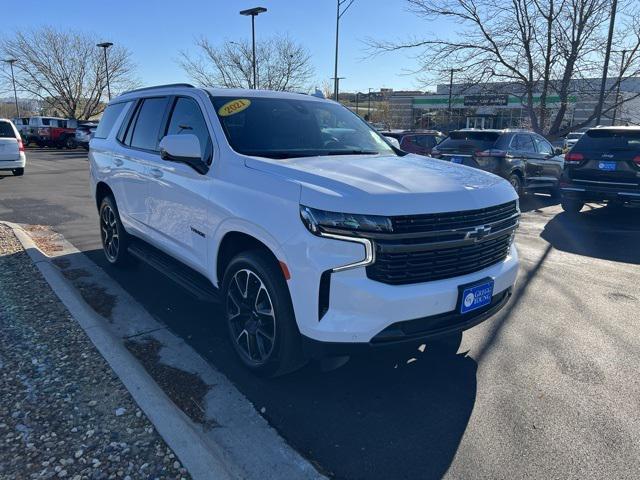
[(557, 151), (184, 149)]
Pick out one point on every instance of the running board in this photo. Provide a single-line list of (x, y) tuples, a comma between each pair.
[(192, 281)]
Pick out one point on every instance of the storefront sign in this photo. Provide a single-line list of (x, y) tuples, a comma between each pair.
[(485, 100)]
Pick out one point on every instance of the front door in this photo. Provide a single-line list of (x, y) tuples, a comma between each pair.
[(177, 205)]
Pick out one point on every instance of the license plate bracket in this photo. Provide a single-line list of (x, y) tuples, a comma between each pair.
[(473, 296)]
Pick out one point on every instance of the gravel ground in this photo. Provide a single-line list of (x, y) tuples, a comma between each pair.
[(63, 413)]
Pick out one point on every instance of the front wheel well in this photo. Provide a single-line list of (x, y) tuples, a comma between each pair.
[(234, 243)]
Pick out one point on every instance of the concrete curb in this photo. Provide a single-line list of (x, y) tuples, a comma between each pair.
[(199, 456)]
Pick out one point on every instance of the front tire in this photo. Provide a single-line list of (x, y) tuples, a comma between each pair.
[(259, 315), (115, 239), (70, 143), (516, 183)]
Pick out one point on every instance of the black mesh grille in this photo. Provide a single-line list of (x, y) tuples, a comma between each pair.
[(448, 254), (453, 220)]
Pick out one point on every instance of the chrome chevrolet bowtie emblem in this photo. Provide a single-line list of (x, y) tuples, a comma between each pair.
[(478, 233)]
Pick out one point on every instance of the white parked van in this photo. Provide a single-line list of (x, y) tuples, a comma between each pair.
[(12, 157), (317, 236)]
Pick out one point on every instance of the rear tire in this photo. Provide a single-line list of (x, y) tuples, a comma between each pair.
[(115, 240), (571, 206), (516, 183), (259, 315), (18, 172), (70, 143)]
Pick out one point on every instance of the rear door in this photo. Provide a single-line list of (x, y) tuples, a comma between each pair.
[(611, 157), (523, 147), (178, 212), (9, 150), (552, 163)]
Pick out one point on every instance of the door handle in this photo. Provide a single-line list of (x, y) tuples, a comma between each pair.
[(156, 172)]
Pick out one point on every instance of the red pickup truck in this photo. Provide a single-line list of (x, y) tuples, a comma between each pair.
[(50, 132)]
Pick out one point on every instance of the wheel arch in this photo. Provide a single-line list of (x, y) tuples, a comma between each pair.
[(102, 190), (233, 242)]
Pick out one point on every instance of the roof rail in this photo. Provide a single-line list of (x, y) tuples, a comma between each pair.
[(187, 85)]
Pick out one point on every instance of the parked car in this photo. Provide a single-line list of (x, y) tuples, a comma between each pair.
[(83, 134), (416, 141), (315, 242), (604, 165), (52, 132), (527, 160), (570, 140), (22, 124), (12, 157)]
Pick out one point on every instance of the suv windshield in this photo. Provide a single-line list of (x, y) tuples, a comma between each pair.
[(288, 128), (469, 139), (610, 140)]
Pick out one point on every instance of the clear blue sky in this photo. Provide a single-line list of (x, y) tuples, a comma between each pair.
[(155, 31)]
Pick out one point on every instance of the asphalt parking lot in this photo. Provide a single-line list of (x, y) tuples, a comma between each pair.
[(546, 389)]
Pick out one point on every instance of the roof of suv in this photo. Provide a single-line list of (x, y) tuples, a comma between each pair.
[(494, 130), (618, 127), (219, 92)]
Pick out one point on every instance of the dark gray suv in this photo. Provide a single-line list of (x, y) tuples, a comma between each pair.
[(526, 159)]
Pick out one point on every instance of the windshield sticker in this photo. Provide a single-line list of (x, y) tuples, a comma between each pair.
[(233, 107)]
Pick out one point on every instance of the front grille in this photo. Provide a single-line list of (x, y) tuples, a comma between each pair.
[(446, 250), (453, 220)]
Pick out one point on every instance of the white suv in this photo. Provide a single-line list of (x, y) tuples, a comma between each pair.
[(12, 157), (315, 234)]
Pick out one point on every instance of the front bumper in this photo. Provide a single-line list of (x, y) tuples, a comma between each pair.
[(410, 331), (360, 308)]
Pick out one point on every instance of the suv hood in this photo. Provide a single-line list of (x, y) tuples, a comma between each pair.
[(388, 185)]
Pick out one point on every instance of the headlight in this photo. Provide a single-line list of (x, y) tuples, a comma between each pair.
[(318, 221)]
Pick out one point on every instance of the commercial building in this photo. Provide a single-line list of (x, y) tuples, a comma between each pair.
[(499, 105)]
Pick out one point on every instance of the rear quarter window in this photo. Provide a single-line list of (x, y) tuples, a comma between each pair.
[(109, 117)]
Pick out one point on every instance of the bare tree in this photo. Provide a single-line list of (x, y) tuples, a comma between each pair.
[(66, 69), (281, 64), (535, 49)]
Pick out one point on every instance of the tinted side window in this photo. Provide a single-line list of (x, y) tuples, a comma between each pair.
[(109, 117), (6, 131), (46, 121), (147, 127), (187, 118), (523, 143), (544, 147)]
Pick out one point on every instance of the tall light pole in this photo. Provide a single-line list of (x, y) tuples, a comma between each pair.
[(336, 84), (451, 71), (104, 46), (357, 110), (339, 13), (253, 13), (369, 106), (615, 107), (11, 61)]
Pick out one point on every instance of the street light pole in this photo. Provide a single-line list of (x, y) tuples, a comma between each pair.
[(339, 15), (451, 71), (607, 55), (369, 107), (617, 99), (253, 13), (357, 111), (104, 47), (11, 61)]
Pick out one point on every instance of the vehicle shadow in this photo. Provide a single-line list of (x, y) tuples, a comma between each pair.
[(536, 201), (608, 233), (394, 414)]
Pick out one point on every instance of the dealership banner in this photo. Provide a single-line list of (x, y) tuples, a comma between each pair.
[(485, 100)]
